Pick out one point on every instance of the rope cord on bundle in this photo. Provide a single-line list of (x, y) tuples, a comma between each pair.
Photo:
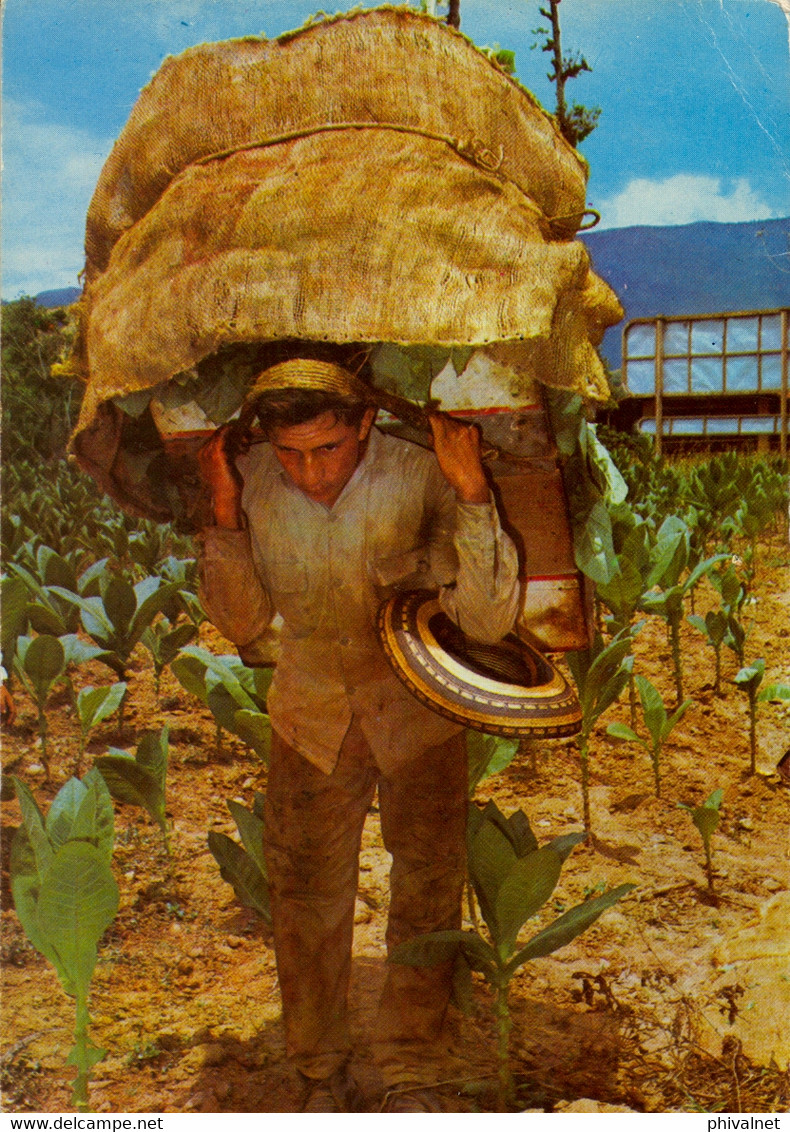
[(473, 150)]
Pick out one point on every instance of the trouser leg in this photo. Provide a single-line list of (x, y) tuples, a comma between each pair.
[(313, 830), (423, 819)]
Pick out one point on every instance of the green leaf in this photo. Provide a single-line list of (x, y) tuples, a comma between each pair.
[(653, 709), (563, 844), (255, 729), (567, 927), (701, 569), (623, 731), (44, 661), (250, 827), (519, 833), (120, 604), (439, 947), (95, 819), (14, 596), (612, 689), (751, 674), (238, 869), (669, 553), (26, 884), (219, 672), (223, 707), (622, 593), (97, 624), (614, 486), (706, 819), (94, 705), (33, 824), (130, 783), (78, 651), (63, 812), (491, 857), (149, 608), (675, 718), (593, 547), (190, 671), (716, 625), (775, 692), (77, 903), (487, 755), (152, 755), (54, 570), (523, 892)]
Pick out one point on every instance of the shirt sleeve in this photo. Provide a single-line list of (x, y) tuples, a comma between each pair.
[(484, 598), (231, 591)]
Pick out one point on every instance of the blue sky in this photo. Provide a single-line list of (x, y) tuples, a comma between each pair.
[(694, 94)]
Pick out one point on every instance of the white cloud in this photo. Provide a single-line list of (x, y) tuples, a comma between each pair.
[(683, 199), (49, 174)]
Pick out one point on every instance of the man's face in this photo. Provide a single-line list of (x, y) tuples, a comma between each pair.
[(320, 456)]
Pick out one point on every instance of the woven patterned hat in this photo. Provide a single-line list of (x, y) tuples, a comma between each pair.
[(503, 689)]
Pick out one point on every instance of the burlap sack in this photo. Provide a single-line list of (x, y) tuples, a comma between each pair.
[(371, 178)]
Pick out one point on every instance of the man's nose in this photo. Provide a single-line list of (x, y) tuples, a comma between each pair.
[(310, 470)]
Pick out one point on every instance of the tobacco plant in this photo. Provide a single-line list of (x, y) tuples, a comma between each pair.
[(164, 641), (623, 593), (667, 585), (600, 673), (65, 895), (658, 723), (243, 866), (513, 878), (714, 627), (94, 705), (234, 693), (487, 755), (706, 819), (40, 663), (748, 680), (116, 618), (140, 779)]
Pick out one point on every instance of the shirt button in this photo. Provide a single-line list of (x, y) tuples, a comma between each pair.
[(345, 641)]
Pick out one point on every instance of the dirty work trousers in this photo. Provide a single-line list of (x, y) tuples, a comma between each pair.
[(313, 831)]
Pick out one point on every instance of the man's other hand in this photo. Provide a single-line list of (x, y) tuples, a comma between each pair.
[(217, 464), (458, 450)]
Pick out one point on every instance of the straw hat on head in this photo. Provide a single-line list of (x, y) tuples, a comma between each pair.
[(312, 374)]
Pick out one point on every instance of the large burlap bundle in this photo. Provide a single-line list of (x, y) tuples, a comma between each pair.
[(372, 178), (388, 65)]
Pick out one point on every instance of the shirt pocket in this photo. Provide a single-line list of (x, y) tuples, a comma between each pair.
[(290, 590)]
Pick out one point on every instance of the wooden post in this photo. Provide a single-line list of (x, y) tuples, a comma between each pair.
[(659, 376), (783, 396)]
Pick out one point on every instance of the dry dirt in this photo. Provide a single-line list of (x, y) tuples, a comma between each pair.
[(674, 1000)]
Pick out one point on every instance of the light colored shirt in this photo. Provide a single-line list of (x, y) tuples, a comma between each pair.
[(326, 571)]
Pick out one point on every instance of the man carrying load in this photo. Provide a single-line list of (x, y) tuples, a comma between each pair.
[(320, 525)]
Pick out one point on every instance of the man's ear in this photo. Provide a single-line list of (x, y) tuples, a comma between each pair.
[(366, 424)]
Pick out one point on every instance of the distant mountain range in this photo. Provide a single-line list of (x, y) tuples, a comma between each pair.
[(63, 297), (702, 268)]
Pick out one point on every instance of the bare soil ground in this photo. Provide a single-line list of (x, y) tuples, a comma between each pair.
[(675, 1000)]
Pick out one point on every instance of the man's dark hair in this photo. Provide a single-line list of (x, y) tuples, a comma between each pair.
[(281, 408)]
